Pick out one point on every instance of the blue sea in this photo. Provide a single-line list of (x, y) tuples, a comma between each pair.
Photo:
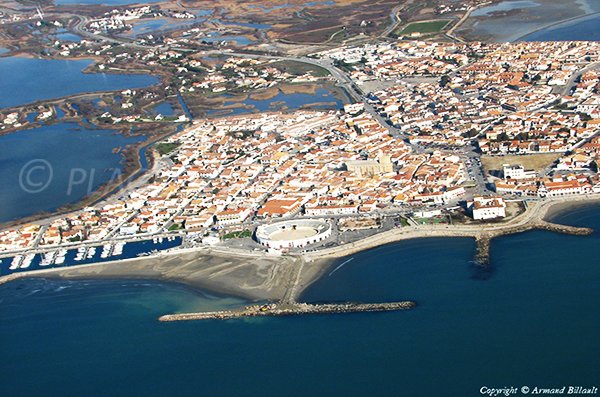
[(530, 319)]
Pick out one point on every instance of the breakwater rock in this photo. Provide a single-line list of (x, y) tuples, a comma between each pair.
[(289, 309)]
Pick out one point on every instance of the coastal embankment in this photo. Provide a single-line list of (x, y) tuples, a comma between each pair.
[(534, 217)]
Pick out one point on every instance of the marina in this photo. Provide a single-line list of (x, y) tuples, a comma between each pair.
[(86, 255)]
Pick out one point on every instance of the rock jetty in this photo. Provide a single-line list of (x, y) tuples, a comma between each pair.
[(290, 309)]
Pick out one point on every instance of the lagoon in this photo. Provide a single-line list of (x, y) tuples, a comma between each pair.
[(321, 99), (504, 6), (586, 28), (525, 16), (38, 79), (71, 151)]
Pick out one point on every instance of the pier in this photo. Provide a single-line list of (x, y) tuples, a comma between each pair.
[(291, 309), (483, 240)]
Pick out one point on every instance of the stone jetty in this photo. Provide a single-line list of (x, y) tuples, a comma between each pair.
[(291, 309)]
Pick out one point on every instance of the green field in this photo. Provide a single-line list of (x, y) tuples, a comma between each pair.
[(299, 68), (166, 147), (424, 27), (238, 234)]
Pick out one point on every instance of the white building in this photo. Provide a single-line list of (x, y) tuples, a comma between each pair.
[(589, 105), (487, 207), (517, 172), (323, 210), (293, 233)]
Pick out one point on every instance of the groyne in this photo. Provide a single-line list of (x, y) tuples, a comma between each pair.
[(290, 309)]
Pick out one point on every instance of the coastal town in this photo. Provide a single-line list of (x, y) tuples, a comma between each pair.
[(299, 197), (408, 147)]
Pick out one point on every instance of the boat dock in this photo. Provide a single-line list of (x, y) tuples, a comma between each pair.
[(291, 309)]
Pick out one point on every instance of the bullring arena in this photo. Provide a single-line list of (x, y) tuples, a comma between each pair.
[(293, 233)]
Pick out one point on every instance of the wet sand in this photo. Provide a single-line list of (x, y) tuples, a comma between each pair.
[(250, 276)]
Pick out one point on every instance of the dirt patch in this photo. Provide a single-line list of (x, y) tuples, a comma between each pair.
[(536, 162)]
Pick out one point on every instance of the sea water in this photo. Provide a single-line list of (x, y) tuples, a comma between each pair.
[(530, 319)]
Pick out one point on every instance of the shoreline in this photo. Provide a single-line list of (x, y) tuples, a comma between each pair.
[(261, 277), (557, 24), (493, 37)]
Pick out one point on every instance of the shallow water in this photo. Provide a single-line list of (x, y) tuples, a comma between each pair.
[(281, 100), (587, 28)]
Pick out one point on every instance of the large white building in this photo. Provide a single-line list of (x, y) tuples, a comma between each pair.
[(293, 233), (490, 207), (517, 172)]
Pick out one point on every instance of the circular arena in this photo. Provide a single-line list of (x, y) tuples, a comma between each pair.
[(293, 233)]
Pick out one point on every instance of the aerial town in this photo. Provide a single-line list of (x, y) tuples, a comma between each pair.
[(408, 147), (299, 197)]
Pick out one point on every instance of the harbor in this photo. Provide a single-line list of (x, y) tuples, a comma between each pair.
[(86, 254)]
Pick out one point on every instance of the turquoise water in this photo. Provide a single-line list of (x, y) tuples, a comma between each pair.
[(259, 26), (587, 28), (36, 79), (74, 154), (530, 319)]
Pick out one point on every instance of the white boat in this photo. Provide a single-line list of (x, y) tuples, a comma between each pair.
[(60, 257), (118, 250), (154, 240), (106, 251), (91, 252), (46, 259), (26, 262), (79, 256), (16, 262)]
